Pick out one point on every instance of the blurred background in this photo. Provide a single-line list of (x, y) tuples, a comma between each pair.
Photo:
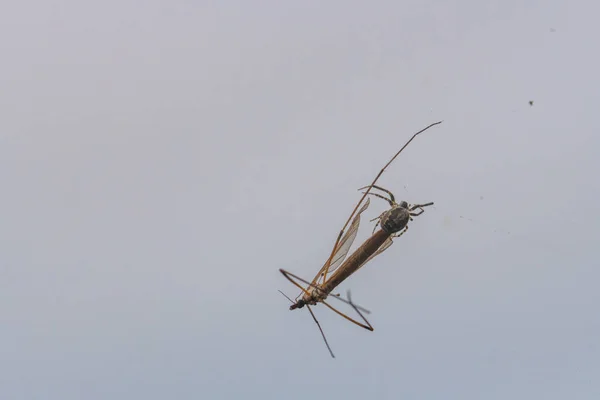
[(160, 161)]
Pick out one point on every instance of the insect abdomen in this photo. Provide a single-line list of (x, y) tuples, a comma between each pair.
[(355, 260)]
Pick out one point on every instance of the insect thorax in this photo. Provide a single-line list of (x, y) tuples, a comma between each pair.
[(394, 220), (314, 296)]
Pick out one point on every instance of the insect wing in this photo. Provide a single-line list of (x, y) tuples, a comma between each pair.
[(346, 242)]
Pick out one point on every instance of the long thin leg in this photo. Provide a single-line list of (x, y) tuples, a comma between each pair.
[(357, 311), (416, 214), (339, 237), (390, 202), (383, 190), (317, 322), (368, 326), (321, 329), (402, 232), (377, 224), (415, 206), (286, 273)]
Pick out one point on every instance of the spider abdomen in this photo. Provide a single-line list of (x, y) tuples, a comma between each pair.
[(394, 220)]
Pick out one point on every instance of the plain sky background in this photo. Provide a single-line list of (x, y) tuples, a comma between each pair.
[(159, 161)]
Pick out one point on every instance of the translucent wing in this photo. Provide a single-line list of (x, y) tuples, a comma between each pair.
[(346, 242), (380, 250)]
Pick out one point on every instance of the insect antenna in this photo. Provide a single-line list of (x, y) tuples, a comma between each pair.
[(286, 296), (321, 329)]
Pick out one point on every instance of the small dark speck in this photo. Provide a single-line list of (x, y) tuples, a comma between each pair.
[(552, 30), (480, 197), (531, 102)]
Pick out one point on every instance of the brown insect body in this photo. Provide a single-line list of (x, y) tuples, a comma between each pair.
[(392, 221), (337, 268), (356, 259)]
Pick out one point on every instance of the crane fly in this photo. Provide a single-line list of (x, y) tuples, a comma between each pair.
[(393, 223)]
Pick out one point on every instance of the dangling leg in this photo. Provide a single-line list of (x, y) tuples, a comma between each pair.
[(367, 326), (357, 311), (288, 276), (321, 329)]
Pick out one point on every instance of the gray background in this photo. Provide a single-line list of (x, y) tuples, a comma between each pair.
[(159, 161)]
